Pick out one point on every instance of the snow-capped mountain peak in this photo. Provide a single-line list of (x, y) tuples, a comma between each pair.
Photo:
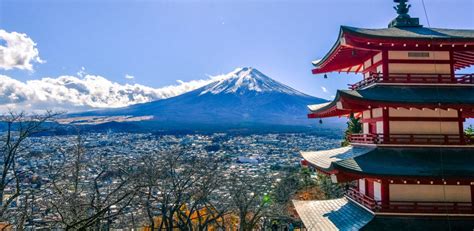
[(245, 80)]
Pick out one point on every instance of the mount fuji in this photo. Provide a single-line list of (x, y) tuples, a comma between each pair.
[(243, 97)]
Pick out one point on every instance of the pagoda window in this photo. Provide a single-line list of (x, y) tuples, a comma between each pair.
[(366, 114), (368, 64), (378, 57), (430, 193), (377, 191), (379, 127), (362, 186), (373, 65), (379, 69), (377, 112)]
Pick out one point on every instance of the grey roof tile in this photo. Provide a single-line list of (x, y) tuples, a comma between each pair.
[(327, 215)]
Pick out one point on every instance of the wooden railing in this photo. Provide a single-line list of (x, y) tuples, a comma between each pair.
[(361, 198), (410, 206), (433, 139), (427, 207), (415, 78)]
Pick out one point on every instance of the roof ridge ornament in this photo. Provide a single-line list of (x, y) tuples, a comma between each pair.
[(403, 19)]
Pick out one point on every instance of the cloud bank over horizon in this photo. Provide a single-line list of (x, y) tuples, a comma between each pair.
[(83, 92)]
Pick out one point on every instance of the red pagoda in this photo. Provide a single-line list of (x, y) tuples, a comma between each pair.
[(412, 160)]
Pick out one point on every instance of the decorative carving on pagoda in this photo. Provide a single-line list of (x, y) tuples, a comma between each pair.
[(403, 19)]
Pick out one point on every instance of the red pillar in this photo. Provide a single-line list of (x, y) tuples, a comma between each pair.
[(461, 127), (451, 64), (385, 64), (472, 197), (386, 125), (385, 191)]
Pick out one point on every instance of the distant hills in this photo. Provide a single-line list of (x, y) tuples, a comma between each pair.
[(243, 98)]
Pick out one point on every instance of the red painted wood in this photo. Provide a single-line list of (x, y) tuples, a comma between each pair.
[(386, 124), (369, 188), (372, 43), (451, 59), (341, 57), (385, 70), (385, 191), (410, 206), (472, 195), (372, 128), (413, 139), (461, 126), (402, 78)]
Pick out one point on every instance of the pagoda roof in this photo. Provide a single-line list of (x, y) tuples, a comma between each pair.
[(342, 214), (397, 161), (335, 214), (413, 33), (347, 101), (356, 45), (419, 223)]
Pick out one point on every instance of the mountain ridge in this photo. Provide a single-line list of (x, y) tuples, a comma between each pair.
[(241, 97)]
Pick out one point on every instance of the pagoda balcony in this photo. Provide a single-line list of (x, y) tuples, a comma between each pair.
[(408, 78), (412, 139), (409, 206)]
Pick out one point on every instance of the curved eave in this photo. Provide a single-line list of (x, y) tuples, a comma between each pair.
[(353, 46), (433, 35), (410, 163), (347, 101), (324, 160)]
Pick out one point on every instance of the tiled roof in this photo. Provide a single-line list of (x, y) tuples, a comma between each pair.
[(397, 161), (442, 162), (327, 215), (324, 159), (414, 94), (315, 107), (441, 223), (413, 32)]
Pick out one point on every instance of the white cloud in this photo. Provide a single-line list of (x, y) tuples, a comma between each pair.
[(82, 72), (325, 90), (74, 93), (18, 51), (127, 76)]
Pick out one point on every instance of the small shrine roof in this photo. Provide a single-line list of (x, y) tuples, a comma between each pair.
[(395, 96), (398, 161), (336, 214)]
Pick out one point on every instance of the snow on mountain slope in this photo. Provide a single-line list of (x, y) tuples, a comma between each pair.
[(247, 79)]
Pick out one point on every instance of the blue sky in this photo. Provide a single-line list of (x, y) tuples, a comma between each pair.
[(160, 42)]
